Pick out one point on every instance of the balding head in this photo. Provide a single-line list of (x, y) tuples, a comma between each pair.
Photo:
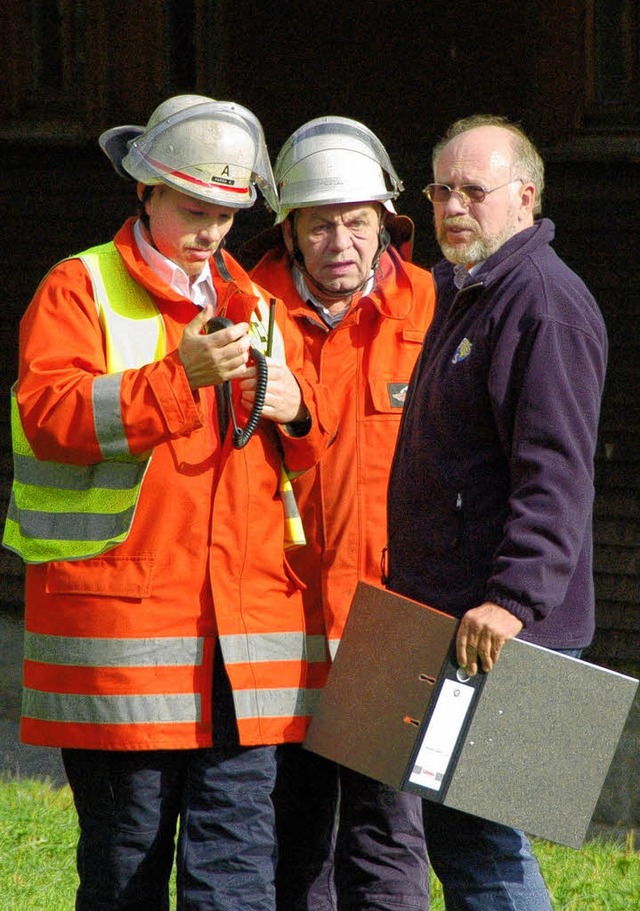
[(525, 157)]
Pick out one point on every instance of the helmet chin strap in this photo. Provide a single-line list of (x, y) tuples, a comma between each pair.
[(297, 260)]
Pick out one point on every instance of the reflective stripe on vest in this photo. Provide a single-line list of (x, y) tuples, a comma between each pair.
[(286, 702), (70, 512), (333, 648), (88, 652), (133, 329)]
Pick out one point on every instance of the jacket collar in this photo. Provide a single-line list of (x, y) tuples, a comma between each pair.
[(502, 261), (392, 294), (231, 282)]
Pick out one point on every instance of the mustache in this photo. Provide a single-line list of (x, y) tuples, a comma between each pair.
[(204, 248), (457, 221)]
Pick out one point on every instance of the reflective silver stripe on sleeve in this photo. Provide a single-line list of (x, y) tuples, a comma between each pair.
[(257, 647), (72, 708), (288, 702), (108, 475), (79, 651), (107, 417)]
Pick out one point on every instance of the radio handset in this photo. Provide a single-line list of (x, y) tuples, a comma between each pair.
[(241, 437)]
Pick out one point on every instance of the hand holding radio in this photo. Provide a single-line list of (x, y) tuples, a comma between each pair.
[(215, 351), (257, 383), (211, 359)]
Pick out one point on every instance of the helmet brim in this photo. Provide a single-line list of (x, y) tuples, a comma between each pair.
[(284, 210)]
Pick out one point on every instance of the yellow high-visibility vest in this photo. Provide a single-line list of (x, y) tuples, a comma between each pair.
[(72, 512)]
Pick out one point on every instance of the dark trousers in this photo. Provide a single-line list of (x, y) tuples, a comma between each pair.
[(130, 805), (482, 865), (345, 841)]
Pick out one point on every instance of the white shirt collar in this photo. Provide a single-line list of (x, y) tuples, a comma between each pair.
[(200, 290)]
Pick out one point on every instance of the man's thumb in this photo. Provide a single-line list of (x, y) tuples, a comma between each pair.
[(201, 319)]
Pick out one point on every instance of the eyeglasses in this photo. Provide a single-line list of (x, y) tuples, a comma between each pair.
[(439, 193)]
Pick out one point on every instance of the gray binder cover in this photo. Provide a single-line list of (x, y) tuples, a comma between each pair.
[(528, 745)]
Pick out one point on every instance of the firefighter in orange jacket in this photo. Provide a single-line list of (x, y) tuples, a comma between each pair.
[(166, 651), (338, 259)]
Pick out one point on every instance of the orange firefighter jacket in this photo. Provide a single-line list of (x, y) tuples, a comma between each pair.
[(366, 360), (119, 648)]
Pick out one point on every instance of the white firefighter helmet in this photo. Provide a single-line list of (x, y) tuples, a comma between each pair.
[(212, 150), (334, 160)]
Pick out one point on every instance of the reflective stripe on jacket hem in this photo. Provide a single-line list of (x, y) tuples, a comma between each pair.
[(251, 648), (137, 709), (286, 702), (78, 708), (83, 651)]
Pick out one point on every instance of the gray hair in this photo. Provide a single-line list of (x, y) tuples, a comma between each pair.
[(526, 158)]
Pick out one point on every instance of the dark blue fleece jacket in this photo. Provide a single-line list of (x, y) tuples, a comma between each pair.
[(491, 489)]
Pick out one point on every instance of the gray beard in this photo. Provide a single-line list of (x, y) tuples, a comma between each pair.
[(476, 251)]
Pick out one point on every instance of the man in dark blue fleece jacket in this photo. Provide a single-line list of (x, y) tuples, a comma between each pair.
[(491, 489)]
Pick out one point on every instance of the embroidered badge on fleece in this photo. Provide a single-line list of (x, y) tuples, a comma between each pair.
[(462, 351), (397, 394)]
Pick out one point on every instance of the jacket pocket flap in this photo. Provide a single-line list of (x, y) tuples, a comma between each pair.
[(118, 577), (413, 335)]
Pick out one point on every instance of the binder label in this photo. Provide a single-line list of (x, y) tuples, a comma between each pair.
[(441, 736)]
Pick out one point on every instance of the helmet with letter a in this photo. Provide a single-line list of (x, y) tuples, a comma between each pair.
[(212, 150)]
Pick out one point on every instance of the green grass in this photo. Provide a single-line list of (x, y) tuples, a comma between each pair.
[(38, 834)]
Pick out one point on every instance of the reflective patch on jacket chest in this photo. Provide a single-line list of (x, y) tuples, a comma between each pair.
[(397, 394), (462, 351)]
